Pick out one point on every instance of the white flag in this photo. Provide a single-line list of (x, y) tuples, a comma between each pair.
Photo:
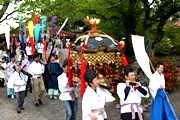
[(141, 55)]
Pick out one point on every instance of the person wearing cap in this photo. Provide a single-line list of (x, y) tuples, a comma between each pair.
[(68, 94), (94, 99), (130, 94), (17, 83), (36, 69), (9, 71)]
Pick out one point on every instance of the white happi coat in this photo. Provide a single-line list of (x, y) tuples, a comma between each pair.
[(94, 100), (134, 96), (16, 82), (155, 83)]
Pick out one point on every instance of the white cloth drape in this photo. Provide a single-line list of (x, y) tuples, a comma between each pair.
[(6, 30)]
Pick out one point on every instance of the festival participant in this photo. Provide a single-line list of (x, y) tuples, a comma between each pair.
[(29, 50), (94, 99), (9, 71), (17, 83), (36, 69), (130, 94), (14, 43), (54, 70), (40, 48), (154, 85), (161, 108), (68, 94)]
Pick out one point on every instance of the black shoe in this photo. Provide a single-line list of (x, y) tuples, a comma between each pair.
[(37, 104), (22, 108), (40, 102), (18, 111)]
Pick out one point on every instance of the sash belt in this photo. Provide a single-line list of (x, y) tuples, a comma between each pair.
[(100, 111), (133, 111)]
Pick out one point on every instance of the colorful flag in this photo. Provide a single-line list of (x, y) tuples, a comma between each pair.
[(31, 28), (35, 19), (53, 19), (43, 23), (37, 32)]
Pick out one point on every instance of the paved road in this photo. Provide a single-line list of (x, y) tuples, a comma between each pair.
[(50, 110)]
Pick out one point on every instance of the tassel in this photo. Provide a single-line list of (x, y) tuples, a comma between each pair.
[(70, 81), (83, 70), (124, 60)]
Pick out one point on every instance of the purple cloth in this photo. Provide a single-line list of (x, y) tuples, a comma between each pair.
[(53, 19)]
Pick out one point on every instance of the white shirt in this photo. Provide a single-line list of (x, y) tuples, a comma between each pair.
[(64, 88), (134, 96), (94, 100), (155, 83), (40, 47), (28, 50), (17, 82), (36, 68)]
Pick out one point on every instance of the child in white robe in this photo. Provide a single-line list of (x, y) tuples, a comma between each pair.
[(94, 99)]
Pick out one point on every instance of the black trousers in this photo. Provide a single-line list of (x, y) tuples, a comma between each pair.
[(40, 55), (128, 116), (1, 82)]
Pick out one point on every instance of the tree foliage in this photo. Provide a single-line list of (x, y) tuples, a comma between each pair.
[(119, 18), (4, 4)]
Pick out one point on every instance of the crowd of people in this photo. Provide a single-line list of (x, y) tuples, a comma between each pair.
[(28, 70)]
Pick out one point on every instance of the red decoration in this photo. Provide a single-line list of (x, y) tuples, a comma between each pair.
[(83, 70), (94, 29), (45, 44), (124, 60), (31, 39), (135, 88), (120, 46), (35, 19), (83, 47), (70, 81)]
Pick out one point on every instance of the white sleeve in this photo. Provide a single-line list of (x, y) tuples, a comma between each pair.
[(120, 90), (107, 95), (31, 69), (11, 81), (86, 106)]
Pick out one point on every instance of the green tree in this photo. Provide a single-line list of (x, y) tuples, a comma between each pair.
[(4, 4), (119, 18)]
